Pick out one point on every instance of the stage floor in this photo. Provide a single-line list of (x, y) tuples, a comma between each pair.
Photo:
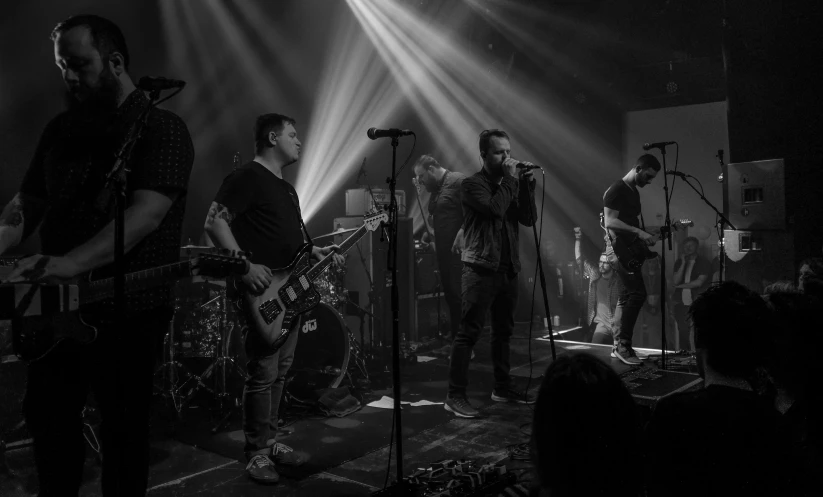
[(211, 465)]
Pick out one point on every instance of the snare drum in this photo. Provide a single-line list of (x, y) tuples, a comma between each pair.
[(321, 355)]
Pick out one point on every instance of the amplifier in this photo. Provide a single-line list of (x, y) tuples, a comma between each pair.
[(361, 200)]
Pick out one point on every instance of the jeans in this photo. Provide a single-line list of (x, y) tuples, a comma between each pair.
[(629, 303), (450, 267), (118, 369), (484, 290), (264, 389), (681, 315), (603, 334)]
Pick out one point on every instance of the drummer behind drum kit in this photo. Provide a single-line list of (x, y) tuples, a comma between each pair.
[(206, 324)]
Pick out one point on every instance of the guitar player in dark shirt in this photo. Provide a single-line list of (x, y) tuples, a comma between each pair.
[(75, 152), (621, 209), (258, 210)]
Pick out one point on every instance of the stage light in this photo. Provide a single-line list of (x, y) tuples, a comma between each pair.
[(355, 93), (453, 93)]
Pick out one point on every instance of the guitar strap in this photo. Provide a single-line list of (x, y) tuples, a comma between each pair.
[(296, 205)]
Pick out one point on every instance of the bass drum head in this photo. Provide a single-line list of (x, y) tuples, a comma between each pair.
[(321, 355)]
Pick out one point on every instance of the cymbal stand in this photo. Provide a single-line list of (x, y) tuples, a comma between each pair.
[(170, 373)]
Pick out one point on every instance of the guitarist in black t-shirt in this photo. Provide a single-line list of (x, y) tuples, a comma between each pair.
[(258, 210), (621, 209)]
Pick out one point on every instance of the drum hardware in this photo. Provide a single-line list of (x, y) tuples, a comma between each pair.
[(335, 233), (322, 353), (170, 373)]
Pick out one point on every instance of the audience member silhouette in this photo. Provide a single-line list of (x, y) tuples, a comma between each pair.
[(584, 423), (723, 439)]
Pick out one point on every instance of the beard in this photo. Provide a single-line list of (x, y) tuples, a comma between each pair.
[(101, 101)]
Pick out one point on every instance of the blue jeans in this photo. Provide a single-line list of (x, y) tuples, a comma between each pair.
[(264, 389), (629, 303), (484, 290)]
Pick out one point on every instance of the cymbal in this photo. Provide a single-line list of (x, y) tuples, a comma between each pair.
[(195, 247), (335, 233)]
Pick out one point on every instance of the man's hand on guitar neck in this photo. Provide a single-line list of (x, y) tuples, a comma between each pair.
[(258, 278), (319, 253), (43, 268)]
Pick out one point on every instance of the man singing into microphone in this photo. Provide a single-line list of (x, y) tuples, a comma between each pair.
[(621, 208), (495, 200)]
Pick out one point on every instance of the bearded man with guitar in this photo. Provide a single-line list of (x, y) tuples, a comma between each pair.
[(75, 152), (258, 210), (621, 209)]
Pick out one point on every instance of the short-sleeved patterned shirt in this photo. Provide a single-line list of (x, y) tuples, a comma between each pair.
[(73, 157)]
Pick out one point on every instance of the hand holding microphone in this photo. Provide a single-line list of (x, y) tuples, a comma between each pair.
[(519, 169)]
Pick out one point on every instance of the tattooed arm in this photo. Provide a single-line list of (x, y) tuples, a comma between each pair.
[(218, 226), (19, 219)]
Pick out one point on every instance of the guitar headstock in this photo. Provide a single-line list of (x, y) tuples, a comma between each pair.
[(577, 233), (220, 263), (682, 223), (372, 221)]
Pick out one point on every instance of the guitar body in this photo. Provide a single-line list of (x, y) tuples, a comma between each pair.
[(272, 313), (36, 336), (631, 252), (43, 314)]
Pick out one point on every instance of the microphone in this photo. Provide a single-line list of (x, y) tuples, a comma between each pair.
[(375, 133), (156, 83), (678, 173), (527, 167), (660, 145)]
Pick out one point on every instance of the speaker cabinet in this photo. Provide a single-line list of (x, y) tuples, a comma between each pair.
[(758, 258), (757, 195), (368, 281)]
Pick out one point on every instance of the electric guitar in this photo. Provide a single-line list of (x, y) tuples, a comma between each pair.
[(291, 292), (44, 314), (630, 250)]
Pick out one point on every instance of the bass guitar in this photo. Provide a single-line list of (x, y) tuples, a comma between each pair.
[(44, 314), (631, 252), (291, 292)]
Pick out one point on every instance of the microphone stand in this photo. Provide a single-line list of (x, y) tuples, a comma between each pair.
[(116, 187), (542, 278), (723, 221), (395, 305), (666, 233)]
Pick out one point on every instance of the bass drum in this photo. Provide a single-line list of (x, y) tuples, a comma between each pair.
[(321, 356)]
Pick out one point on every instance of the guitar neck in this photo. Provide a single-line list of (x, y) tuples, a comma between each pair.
[(321, 266), (140, 280)]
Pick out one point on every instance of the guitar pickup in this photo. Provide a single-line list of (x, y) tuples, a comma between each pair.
[(270, 309), (30, 299)]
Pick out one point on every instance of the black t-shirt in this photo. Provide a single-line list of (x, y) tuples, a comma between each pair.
[(68, 170), (625, 199), (719, 441), (267, 214), (701, 266)]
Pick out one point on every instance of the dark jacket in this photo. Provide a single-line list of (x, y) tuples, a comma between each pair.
[(487, 205)]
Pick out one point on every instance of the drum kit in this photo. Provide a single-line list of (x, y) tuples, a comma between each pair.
[(207, 325)]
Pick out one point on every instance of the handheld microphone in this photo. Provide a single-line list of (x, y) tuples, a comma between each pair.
[(527, 166), (660, 145), (677, 173), (375, 133), (150, 83)]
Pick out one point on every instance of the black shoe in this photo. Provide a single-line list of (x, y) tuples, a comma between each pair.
[(284, 455), (460, 407), (511, 395), (261, 469)]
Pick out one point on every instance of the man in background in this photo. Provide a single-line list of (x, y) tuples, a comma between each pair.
[(446, 218), (691, 274)]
